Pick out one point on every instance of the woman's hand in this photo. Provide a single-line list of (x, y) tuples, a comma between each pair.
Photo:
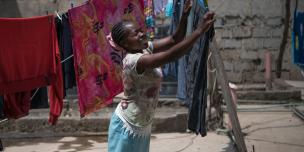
[(187, 7), (207, 22)]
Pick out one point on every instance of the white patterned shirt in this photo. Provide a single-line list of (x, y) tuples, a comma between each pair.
[(141, 91)]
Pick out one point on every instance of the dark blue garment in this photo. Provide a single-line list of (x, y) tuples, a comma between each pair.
[(197, 86), (298, 39), (40, 99), (66, 47), (66, 50), (192, 68), (197, 75)]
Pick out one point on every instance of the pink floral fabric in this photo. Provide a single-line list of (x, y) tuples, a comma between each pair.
[(97, 66), (150, 22)]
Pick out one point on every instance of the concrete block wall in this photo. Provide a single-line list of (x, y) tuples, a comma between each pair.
[(30, 8), (245, 29)]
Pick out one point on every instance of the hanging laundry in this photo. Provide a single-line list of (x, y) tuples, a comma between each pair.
[(170, 70), (27, 53), (28, 60), (56, 90), (97, 65), (66, 50), (17, 105), (182, 66), (159, 6), (197, 75), (150, 21), (298, 38), (169, 9), (203, 3), (40, 98)]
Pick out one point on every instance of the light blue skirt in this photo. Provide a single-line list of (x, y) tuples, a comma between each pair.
[(120, 140)]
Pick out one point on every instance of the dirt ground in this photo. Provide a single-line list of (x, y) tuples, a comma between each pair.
[(267, 131)]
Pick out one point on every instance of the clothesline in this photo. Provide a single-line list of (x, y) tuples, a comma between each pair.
[(60, 62), (3, 120), (67, 58)]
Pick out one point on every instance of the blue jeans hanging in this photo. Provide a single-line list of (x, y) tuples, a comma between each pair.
[(298, 39), (170, 70)]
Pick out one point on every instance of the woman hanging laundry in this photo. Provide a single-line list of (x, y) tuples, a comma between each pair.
[(130, 126)]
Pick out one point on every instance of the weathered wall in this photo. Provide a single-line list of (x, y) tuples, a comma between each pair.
[(245, 29), (30, 8)]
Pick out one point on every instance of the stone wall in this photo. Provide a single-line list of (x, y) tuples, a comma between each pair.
[(245, 29)]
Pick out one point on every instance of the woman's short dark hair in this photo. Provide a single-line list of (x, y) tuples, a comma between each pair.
[(119, 32)]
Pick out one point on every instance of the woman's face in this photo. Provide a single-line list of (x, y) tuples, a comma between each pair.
[(136, 39)]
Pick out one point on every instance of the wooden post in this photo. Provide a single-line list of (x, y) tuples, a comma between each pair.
[(222, 78)]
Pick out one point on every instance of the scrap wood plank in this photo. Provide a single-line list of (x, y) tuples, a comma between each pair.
[(298, 112), (297, 84), (222, 78)]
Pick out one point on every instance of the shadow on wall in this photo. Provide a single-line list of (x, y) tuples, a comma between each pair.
[(9, 8)]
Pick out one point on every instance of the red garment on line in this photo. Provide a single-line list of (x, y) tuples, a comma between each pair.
[(56, 93), (18, 104), (27, 53), (29, 59)]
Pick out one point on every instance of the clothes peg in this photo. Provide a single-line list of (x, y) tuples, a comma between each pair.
[(58, 15)]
